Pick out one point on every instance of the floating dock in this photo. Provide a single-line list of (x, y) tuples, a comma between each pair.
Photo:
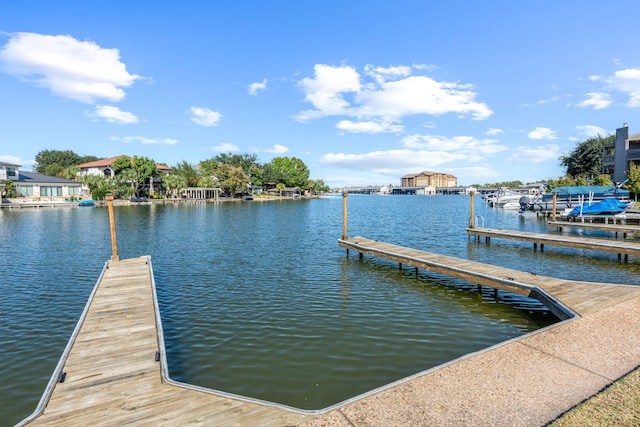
[(615, 246), (593, 226), (114, 370), (562, 297)]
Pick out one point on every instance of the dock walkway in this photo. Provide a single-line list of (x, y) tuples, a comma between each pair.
[(557, 294), (612, 228), (615, 246), (115, 373)]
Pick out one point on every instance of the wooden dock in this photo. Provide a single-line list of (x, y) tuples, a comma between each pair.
[(611, 228), (615, 246), (114, 370), (562, 297)]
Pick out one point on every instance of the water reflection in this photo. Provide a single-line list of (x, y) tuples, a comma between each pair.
[(258, 299)]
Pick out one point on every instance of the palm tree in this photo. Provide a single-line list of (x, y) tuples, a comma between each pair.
[(280, 186), (8, 187)]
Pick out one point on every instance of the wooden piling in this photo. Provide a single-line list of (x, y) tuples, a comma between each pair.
[(344, 216), (112, 224), (471, 211)]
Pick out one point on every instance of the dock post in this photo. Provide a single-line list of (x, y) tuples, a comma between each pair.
[(471, 212), (112, 224), (344, 216), (553, 212)]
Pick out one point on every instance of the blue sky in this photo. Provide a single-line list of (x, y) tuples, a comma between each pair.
[(362, 91)]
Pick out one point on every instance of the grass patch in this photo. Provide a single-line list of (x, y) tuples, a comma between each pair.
[(617, 405)]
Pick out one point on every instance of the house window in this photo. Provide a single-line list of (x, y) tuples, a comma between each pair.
[(25, 190), (11, 171), (74, 191), (51, 191)]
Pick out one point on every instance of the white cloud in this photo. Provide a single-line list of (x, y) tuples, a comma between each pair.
[(381, 74), (145, 140), (597, 100), (595, 78), (494, 131), (393, 162), (628, 81), (368, 127), (15, 160), (204, 116), (390, 95), (70, 68), (278, 149), (113, 114), (325, 91), (465, 144), (225, 147), (258, 86), (542, 133), (538, 154), (591, 131)]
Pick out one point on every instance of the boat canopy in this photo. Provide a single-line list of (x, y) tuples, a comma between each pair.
[(604, 206), (597, 192)]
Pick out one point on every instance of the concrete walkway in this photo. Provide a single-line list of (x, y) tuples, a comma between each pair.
[(524, 382)]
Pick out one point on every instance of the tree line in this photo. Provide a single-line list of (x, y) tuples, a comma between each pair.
[(134, 176)]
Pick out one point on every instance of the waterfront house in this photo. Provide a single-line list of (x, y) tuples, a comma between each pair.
[(35, 187), (618, 157), (103, 167)]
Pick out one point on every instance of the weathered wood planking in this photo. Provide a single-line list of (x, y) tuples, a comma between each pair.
[(612, 228), (113, 378), (557, 294), (615, 246)]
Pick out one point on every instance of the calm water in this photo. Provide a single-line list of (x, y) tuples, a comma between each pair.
[(258, 299)]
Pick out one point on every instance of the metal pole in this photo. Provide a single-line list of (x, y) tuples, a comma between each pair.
[(471, 211), (344, 216), (112, 224)]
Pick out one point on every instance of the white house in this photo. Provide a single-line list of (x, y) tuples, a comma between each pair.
[(31, 186)]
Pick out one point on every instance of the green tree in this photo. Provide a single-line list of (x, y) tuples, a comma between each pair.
[(53, 161), (280, 186), (232, 179), (291, 171), (146, 170), (242, 161), (320, 187), (8, 187), (208, 181), (126, 182), (187, 171), (208, 167), (586, 159), (53, 169), (603, 180), (173, 184), (98, 185), (121, 163), (70, 173), (633, 180)]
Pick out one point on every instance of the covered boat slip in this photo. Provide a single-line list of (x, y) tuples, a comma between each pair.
[(562, 297)]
